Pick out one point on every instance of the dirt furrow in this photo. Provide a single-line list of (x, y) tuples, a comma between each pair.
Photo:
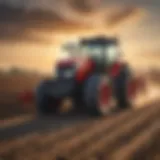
[(77, 144), (15, 121), (96, 139), (122, 140), (82, 137), (82, 140), (127, 128), (142, 145), (37, 140), (6, 146)]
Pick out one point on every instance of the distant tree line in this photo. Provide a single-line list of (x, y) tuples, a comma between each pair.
[(18, 71)]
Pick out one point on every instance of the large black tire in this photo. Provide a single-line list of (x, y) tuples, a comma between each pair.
[(91, 96), (121, 84), (44, 102)]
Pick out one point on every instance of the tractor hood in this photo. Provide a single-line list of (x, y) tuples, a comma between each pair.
[(65, 63), (66, 68), (79, 68)]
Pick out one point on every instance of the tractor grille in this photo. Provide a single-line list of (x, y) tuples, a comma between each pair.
[(61, 88)]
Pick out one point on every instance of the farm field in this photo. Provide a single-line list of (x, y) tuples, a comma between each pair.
[(128, 135)]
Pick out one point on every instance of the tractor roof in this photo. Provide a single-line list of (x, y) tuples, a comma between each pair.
[(99, 40)]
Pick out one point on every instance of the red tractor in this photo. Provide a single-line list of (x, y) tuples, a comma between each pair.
[(93, 75)]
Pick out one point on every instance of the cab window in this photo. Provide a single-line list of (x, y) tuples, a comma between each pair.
[(112, 53)]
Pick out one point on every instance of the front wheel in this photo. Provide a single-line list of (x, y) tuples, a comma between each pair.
[(98, 97), (46, 105)]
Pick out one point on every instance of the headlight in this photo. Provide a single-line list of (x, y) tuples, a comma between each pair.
[(65, 72)]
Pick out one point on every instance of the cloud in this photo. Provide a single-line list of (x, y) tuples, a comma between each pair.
[(16, 23), (124, 14), (21, 24), (85, 6), (18, 33)]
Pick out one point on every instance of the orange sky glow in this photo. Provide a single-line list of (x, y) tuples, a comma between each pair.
[(34, 44)]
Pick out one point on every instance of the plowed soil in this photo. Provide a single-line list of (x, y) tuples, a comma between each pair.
[(128, 135)]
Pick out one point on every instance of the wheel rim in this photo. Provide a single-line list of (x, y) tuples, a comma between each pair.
[(105, 97)]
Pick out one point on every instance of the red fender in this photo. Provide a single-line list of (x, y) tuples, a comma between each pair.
[(115, 68), (84, 69)]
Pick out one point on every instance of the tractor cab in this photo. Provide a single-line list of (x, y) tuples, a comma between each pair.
[(103, 51)]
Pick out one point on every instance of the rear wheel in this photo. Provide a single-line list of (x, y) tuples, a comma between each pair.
[(125, 87), (98, 96)]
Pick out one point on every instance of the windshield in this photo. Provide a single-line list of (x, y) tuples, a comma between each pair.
[(111, 52), (92, 50)]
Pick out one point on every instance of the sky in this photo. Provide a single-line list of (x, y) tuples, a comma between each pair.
[(32, 30)]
